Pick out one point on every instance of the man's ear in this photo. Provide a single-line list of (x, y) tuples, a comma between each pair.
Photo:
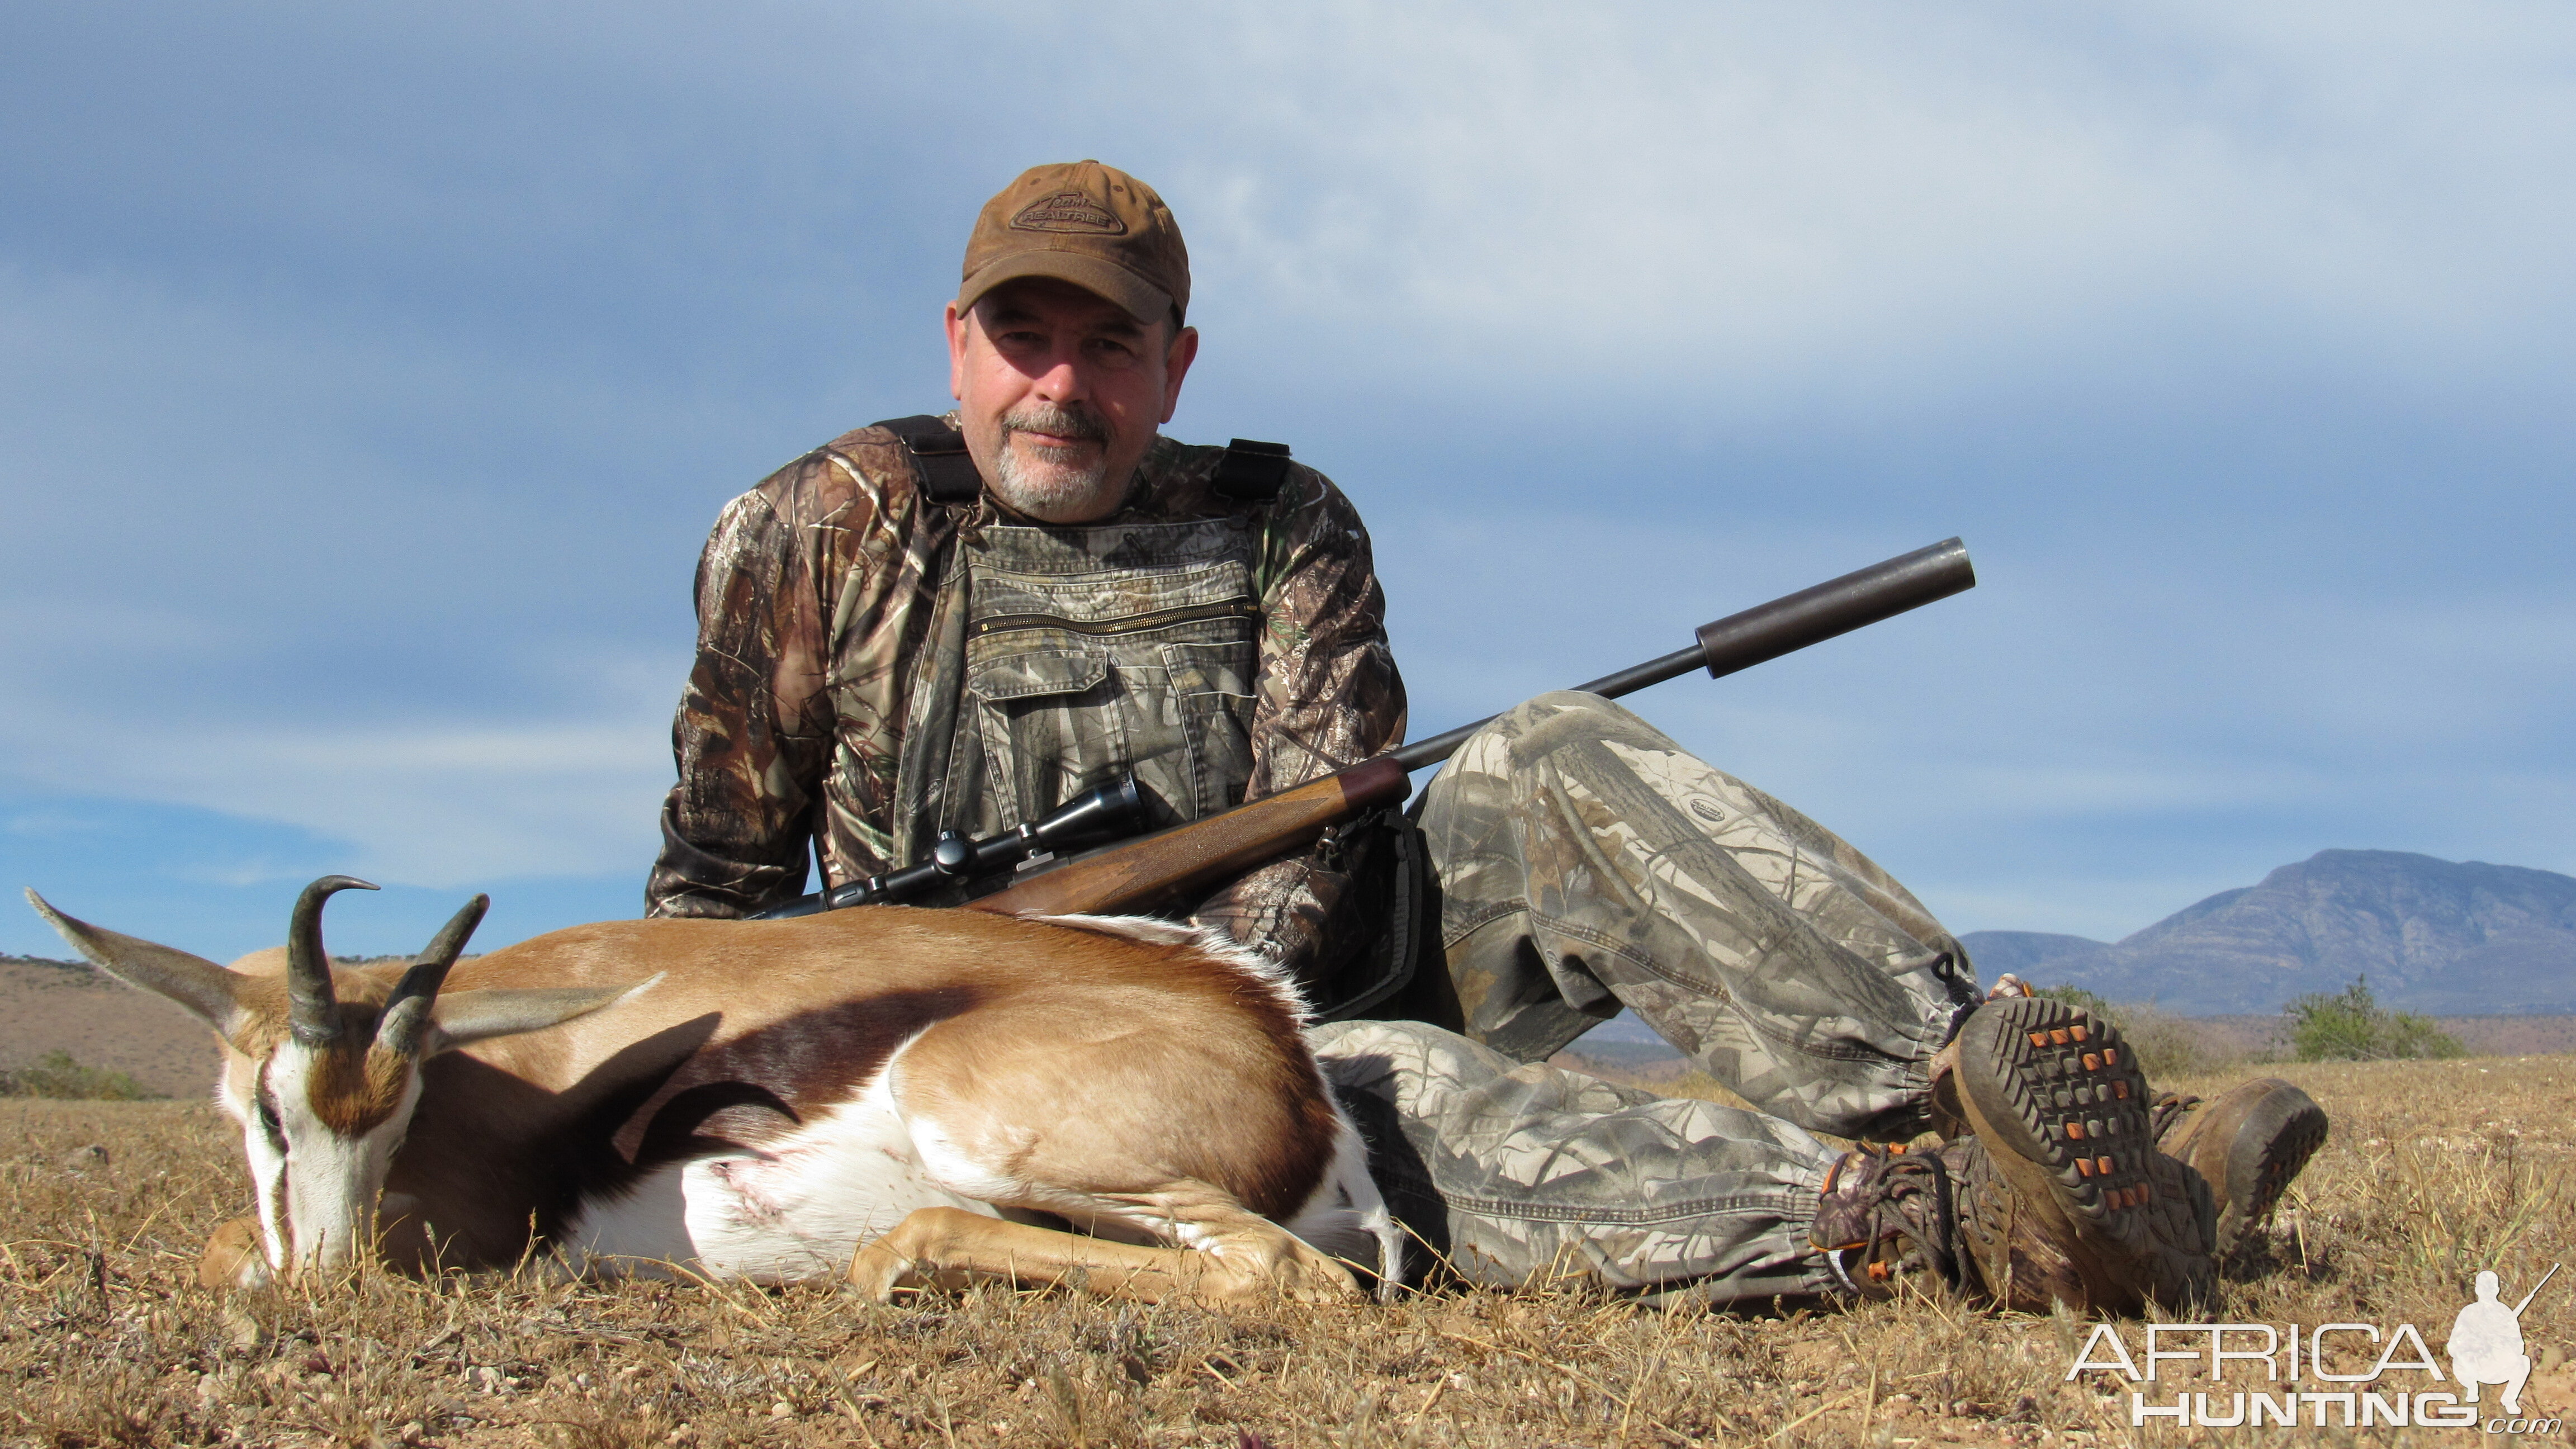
[(1176, 364), (955, 322)]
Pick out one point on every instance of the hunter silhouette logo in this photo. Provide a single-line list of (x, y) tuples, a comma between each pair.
[(1069, 211), (2486, 1342)]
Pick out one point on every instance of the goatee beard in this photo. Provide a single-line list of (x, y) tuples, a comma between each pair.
[(1057, 486)]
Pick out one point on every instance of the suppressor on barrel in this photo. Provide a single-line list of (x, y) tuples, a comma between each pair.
[(1767, 631)]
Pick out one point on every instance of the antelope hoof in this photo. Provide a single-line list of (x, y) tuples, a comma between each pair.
[(234, 1257), (1310, 1277), (877, 1270), (1338, 1289)]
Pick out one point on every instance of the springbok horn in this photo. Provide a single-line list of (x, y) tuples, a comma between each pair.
[(406, 1012), (308, 971)]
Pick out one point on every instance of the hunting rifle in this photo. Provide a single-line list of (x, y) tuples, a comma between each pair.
[(1155, 869)]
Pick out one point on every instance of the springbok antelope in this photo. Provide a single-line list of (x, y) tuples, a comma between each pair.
[(927, 1097)]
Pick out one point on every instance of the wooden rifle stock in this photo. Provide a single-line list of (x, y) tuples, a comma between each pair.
[(1150, 870), (1158, 869)]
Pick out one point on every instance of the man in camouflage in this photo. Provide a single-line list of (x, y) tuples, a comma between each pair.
[(882, 658)]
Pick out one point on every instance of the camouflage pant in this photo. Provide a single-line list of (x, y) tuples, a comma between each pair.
[(1513, 1173), (1587, 863)]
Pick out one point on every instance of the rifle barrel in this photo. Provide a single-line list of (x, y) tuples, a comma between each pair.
[(1767, 631), (2535, 1290)]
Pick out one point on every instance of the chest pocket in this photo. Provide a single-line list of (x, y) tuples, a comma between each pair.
[(1212, 683), (1065, 697)]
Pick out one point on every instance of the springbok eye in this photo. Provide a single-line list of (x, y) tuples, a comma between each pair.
[(269, 1121)]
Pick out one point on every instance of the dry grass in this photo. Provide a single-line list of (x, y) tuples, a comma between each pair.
[(2436, 1170)]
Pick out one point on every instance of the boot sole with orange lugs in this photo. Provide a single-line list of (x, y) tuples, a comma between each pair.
[(2058, 1100)]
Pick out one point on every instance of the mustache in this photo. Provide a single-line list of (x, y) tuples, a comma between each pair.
[(1065, 422)]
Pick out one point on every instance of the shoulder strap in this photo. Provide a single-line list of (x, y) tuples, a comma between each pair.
[(939, 458), (1250, 472)]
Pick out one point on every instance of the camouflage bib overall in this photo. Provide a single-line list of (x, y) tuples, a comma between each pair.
[(1061, 658)]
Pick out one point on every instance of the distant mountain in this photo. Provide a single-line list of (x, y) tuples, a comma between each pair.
[(2023, 952), (2431, 935)]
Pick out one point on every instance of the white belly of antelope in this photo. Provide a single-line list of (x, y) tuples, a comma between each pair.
[(797, 1207)]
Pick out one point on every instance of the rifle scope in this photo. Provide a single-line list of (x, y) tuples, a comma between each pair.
[(1094, 815)]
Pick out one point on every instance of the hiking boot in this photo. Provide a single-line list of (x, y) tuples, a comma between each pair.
[(2059, 1197), (2105, 1221), (2060, 1194), (1947, 1118), (1944, 1220), (1948, 1221), (2247, 1145), (1888, 1215)]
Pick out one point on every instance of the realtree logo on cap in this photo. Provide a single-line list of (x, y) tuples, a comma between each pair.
[(1068, 211)]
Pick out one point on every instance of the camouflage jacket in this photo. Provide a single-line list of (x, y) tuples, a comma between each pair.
[(815, 593)]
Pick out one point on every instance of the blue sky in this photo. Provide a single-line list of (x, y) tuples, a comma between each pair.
[(369, 377)]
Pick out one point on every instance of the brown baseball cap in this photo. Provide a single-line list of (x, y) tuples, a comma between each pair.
[(1081, 222)]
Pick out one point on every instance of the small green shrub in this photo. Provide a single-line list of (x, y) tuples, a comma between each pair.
[(2350, 1026), (57, 1075), (2093, 1003)]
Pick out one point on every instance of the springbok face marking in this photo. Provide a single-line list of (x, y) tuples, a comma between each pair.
[(324, 1086), (320, 1130)]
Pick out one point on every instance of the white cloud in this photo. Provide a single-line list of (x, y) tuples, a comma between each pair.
[(425, 790), (419, 806), (1803, 198)]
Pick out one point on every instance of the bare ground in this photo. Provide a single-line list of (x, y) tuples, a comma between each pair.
[(2436, 1169), (48, 1006)]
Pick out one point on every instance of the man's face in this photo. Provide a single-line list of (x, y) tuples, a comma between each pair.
[(1060, 392)]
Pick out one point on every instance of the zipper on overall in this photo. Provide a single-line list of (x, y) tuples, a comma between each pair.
[(1130, 624)]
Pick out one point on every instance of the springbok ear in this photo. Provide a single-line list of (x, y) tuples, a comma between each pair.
[(206, 990), (463, 1017)]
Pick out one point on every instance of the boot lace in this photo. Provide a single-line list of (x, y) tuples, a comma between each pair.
[(2169, 1109), (1905, 1195)]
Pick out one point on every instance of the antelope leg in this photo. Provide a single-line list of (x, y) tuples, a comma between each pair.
[(950, 1248), (234, 1257)]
